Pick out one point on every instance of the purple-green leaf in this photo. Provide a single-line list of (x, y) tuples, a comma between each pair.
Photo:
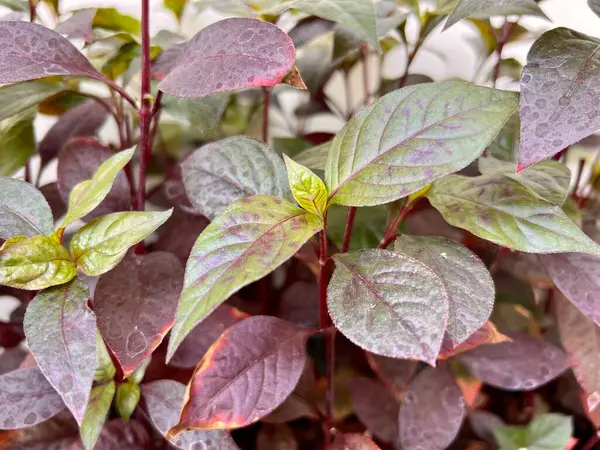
[(376, 408), (484, 9), (95, 414), (61, 334), (79, 25)]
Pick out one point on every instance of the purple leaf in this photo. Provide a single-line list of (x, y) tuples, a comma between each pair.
[(79, 25), (432, 410), (61, 334), (396, 373), (179, 233), (54, 199), (503, 365), (483, 424), (26, 399), (352, 441), (376, 408), (166, 61), (57, 433), (10, 359), (135, 304), (229, 55), (299, 304), (276, 437), (163, 401)]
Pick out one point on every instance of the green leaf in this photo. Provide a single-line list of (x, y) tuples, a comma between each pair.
[(483, 9), (411, 137), (88, 194), (16, 5), (127, 399), (19, 97), (388, 304), (138, 374), (315, 157), (546, 432), (307, 188), (23, 210), (105, 369), (503, 211), (251, 238), (111, 19), (17, 142), (176, 7), (96, 413), (101, 244), (35, 263)]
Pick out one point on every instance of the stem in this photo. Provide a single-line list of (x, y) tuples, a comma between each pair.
[(506, 30), (411, 57), (365, 54), (28, 171), (115, 87), (349, 227), (267, 104), (347, 90), (592, 442), (390, 233), (32, 10)]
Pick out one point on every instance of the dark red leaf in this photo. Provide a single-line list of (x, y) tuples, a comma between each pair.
[(396, 373), (487, 334), (299, 304), (174, 190), (228, 55), (10, 359), (79, 25), (352, 441), (376, 408), (180, 233), (54, 199), (135, 305), (11, 334), (276, 437)]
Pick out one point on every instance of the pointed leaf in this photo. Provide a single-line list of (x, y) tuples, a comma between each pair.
[(17, 98), (112, 19), (353, 441), (396, 373), (176, 7), (23, 210), (127, 399), (229, 55), (501, 210), (79, 25), (26, 399), (376, 408), (411, 137), (483, 9), (503, 366), (315, 157), (163, 401), (559, 98), (432, 410), (307, 188), (247, 241), (388, 304), (17, 142), (546, 432), (101, 244), (135, 305), (222, 172), (105, 369), (96, 413)]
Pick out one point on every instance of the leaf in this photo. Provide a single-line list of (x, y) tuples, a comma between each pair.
[(353, 441), (179, 233), (96, 413), (483, 9), (594, 6), (503, 366), (251, 238), (314, 157), (61, 334), (163, 401), (18, 98), (432, 410), (11, 359), (127, 399), (101, 244), (222, 172), (112, 19), (376, 408), (79, 25), (29, 51), (127, 436), (308, 29), (88, 194), (558, 96), (23, 210), (483, 424), (396, 373), (52, 196), (78, 161), (26, 399), (229, 55), (15, 5), (245, 375), (135, 304), (176, 7), (466, 280), (276, 437), (411, 137), (388, 304), (35, 263), (502, 210), (105, 369), (487, 334), (307, 188), (546, 432), (17, 142)]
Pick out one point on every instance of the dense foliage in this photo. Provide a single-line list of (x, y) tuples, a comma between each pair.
[(187, 278)]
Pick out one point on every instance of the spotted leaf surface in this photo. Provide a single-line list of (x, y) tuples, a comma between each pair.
[(501, 210), (559, 95), (228, 55), (432, 410), (135, 304), (395, 373), (23, 210), (307, 188), (96, 413), (388, 304), (376, 408), (251, 238), (222, 172), (411, 137), (163, 400), (483, 9), (245, 375), (61, 334), (503, 366)]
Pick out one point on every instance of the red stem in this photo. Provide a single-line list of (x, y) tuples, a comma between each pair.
[(28, 171), (365, 54), (267, 104), (32, 10), (349, 227), (390, 233), (592, 442), (506, 30), (409, 61)]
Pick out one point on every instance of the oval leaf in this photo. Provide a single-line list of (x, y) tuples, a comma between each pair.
[(17, 142), (388, 304), (245, 375), (96, 413), (23, 210), (396, 373), (484, 9), (411, 137), (229, 55), (307, 188), (247, 241), (79, 25), (376, 408), (545, 432)]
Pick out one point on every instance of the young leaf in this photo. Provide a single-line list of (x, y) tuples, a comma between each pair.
[(247, 241), (26, 399), (17, 142), (105, 369), (87, 195), (35, 263), (376, 408), (307, 188), (163, 400), (432, 410), (23, 210), (127, 399), (95, 414), (229, 55), (388, 304), (502, 210), (245, 375), (546, 432), (61, 334), (127, 436), (483, 9), (411, 137), (222, 172), (395, 373), (176, 7), (79, 25), (467, 282), (101, 244), (353, 441), (135, 305), (558, 96), (503, 366), (18, 98)]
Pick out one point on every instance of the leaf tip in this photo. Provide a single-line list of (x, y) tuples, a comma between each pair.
[(175, 431)]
